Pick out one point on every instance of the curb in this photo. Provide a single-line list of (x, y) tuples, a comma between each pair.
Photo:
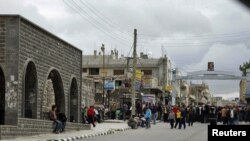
[(114, 121), (110, 131)]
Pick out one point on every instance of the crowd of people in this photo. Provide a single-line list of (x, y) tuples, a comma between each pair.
[(232, 115), (179, 116), (176, 116)]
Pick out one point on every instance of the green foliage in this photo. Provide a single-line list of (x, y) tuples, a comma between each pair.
[(243, 68)]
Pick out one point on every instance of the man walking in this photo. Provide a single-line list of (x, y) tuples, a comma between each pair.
[(191, 114), (183, 118)]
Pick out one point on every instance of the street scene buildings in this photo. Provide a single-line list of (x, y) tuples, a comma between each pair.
[(153, 77), (48, 85)]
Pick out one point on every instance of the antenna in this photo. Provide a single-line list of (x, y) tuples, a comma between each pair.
[(162, 50)]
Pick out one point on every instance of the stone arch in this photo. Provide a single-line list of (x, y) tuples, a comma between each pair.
[(73, 100), (30, 89), (2, 96), (53, 93)]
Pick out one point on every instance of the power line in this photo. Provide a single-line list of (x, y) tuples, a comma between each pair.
[(196, 41), (130, 50), (104, 18), (77, 10), (128, 54), (199, 35), (105, 23), (200, 44), (188, 40), (216, 39), (97, 21), (107, 26)]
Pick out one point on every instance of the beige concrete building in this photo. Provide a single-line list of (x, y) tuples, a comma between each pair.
[(153, 74), (199, 94), (88, 92)]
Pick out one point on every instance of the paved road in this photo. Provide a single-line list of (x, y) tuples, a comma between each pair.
[(159, 132)]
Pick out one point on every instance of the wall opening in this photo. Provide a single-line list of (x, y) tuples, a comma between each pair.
[(53, 94), (2, 97), (73, 101), (30, 96)]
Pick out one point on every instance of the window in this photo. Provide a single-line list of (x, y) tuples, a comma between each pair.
[(147, 72), (84, 70), (118, 72), (93, 71), (118, 83)]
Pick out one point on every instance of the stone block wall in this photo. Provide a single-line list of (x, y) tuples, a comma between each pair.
[(21, 42), (2, 41), (9, 64), (29, 127), (47, 51)]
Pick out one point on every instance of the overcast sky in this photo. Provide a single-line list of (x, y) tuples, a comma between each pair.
[(190, 32)]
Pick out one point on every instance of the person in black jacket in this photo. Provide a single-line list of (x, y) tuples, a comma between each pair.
[(62, 117), (183, 118)]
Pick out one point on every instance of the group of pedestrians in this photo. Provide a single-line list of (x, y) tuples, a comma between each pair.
[(176, 116), (232, 115), (228, 115), (181, 116)]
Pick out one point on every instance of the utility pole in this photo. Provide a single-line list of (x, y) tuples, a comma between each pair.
[(128, 71), (103, 74), (167, 78), (134, 73), (128, 64), (197, 95), (164, 78)]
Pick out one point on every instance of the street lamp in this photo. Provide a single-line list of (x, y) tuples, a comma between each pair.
[(103, 76)]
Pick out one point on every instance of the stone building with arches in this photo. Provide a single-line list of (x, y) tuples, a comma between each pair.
[(37, 69)]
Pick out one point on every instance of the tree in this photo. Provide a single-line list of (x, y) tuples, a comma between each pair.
[(243, 68)]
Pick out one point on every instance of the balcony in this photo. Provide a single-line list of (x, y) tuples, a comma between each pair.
[(149, 82)]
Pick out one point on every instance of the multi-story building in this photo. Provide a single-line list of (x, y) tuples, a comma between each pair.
[(88, 92), (217, 98), (153, 75), (199, 94), (217, 101)]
